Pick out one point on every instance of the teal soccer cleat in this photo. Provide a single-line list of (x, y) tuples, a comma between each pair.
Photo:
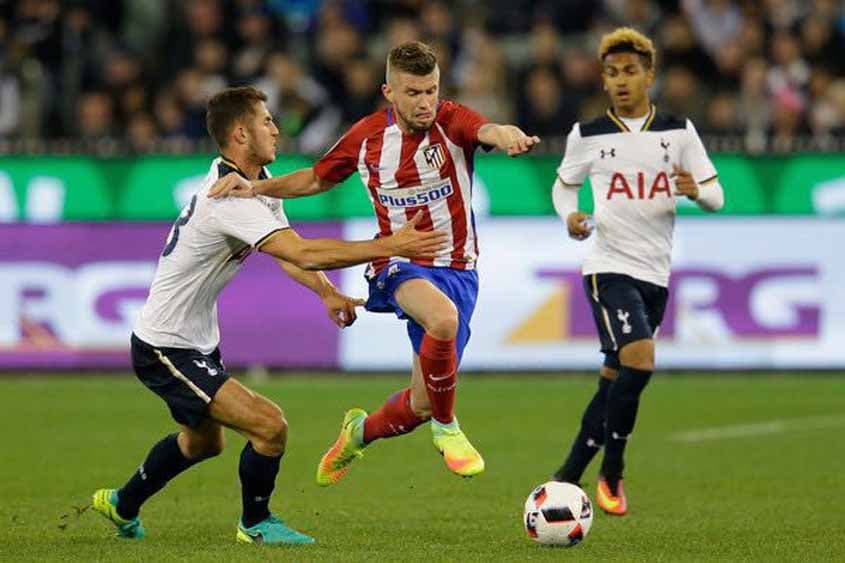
[(105, 502), (271, 531)]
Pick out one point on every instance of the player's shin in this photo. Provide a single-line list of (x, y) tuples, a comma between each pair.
[(394, 418), (623, 399), (258, 479), (590, 437), (439, 364), (164, 462)]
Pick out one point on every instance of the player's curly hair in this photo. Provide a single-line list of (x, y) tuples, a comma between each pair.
[(628, 40), (413, 57)]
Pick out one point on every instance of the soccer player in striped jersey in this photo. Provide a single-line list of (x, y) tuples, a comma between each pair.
[(415, 156), (639, 161), (175, 342)]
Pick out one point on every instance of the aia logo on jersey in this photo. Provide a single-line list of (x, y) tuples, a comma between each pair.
[(619, 186), (434, 155)]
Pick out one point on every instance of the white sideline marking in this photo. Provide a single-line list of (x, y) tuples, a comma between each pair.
[(758, 428)]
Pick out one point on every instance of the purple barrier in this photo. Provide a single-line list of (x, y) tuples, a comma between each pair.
[(70, 294)]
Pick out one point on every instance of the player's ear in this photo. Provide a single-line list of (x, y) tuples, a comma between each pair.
[(387, 91), (240, 134)]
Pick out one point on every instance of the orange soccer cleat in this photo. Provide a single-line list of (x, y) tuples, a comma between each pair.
[(610, 500)]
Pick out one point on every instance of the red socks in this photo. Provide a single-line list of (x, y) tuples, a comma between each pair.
[(394, 418), (439, 362)]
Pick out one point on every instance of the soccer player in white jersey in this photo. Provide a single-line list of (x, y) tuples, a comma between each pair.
[(639, 162), (175, 343), (416, 156)]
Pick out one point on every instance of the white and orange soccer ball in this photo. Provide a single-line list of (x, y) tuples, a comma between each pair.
[(558, 514)]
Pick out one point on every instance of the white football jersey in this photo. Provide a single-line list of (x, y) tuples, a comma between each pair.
[(630, 174), (205, 248)]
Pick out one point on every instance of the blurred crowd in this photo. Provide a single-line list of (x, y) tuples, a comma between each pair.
[(134, 75)]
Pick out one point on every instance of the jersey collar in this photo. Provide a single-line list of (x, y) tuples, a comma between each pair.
[(232, 167), (652, 111)]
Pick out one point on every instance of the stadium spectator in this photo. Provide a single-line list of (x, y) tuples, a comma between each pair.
[(163, 58)]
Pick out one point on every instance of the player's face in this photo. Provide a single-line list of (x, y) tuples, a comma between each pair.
[(414, 98), (626, 80), (263, 135)]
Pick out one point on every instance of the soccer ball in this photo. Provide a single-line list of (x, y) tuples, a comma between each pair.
[(558, 514)]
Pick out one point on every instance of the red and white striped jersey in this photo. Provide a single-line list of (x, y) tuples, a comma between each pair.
[(406, 173)]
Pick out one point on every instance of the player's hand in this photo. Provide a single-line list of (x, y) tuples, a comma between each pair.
[(411, 243), (518, 142), (341, 308), (232, 184), (684, 183), (579, 225)]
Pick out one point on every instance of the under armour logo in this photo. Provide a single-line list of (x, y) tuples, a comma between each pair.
[(665, 145), (623, 318), (611, 153), (202, 364)]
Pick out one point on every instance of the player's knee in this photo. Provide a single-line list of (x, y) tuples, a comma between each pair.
[(204, 448), (273, 434), (638, 355), (442, 323), (608, 373)]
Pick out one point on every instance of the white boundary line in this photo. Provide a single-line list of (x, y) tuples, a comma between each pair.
[(778, 426)]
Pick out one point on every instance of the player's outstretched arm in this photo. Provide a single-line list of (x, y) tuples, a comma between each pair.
[(329, 254), (300, 183), (507, 138), (340, 307)]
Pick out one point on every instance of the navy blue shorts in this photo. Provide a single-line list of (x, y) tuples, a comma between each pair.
[(461, 286), (187, 380), (625, 310)]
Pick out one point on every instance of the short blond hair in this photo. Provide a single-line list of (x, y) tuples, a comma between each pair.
[(628, 40)]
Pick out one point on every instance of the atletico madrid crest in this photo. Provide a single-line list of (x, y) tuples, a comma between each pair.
[(434, 156)]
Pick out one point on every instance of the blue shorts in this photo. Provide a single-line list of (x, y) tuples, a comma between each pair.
[(461, 286)]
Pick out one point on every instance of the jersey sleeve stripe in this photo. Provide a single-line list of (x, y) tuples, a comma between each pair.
[(263, 240), (710, 179), (565, 183)]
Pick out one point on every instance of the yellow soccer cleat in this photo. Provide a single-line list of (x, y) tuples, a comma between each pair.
[(348, 446), (460, 456), (611, 499), (105, 502)]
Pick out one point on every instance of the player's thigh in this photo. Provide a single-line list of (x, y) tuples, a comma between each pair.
[(623, 309), (656, 299), (204, 440), (247, 412), (426, 304)]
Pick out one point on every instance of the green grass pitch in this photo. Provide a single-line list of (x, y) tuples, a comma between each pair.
[(763, 481)]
